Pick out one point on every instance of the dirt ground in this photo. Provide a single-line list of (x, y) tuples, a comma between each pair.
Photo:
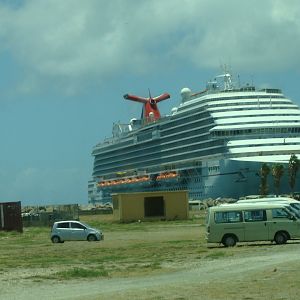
[(251, 271)]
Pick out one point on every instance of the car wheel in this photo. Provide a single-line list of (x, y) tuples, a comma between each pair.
[(229, 241), (91, 238), (280, 238), (55, 239)]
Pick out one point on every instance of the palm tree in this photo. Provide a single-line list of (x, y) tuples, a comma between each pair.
[(264, 172), (293, 168), (277, 172)]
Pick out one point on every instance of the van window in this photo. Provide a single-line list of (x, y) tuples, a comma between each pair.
[(255, 215), (279, 213), (228, 216)]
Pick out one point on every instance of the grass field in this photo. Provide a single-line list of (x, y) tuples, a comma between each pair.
[(128, 249), (145, 249)]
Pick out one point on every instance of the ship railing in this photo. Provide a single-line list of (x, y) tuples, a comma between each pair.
[(129, 180), (136, 179), (150, 121), (167, 175)]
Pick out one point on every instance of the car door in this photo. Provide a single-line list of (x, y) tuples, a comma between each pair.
[(255, 225), (63, 231), (78, 231)]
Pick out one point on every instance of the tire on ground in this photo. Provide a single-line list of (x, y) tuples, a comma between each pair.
[(91, 238), (229, 240), (280, 238)]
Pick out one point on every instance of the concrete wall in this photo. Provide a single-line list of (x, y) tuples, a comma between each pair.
[(130, 206)]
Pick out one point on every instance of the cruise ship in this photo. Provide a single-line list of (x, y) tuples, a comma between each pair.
[(213, 143)]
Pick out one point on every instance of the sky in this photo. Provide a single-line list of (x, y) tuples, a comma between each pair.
[(65, 66)]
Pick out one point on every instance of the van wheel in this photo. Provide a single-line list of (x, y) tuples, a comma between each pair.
[(229, 241), (280, 238)]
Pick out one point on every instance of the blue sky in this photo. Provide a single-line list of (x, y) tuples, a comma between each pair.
[(65, 65)]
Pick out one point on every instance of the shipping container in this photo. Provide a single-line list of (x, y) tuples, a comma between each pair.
[(10, 216)]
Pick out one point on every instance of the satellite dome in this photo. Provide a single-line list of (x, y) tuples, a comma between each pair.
[(185, 94), (174, 110)]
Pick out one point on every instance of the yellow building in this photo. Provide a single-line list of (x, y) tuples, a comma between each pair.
[(162, 205)]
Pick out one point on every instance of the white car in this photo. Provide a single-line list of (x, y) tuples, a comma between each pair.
[(74, 231)]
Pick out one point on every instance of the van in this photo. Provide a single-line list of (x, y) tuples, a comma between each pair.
[(234, 223), (293, 202), (292, 207), (195, 204)]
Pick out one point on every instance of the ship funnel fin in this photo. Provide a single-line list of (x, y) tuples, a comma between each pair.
[(149, 108), (151, 100)]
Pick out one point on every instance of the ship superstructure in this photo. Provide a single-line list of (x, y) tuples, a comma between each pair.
[(212, 144)]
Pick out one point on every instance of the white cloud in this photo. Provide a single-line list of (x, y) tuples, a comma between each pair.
[(86, 40)]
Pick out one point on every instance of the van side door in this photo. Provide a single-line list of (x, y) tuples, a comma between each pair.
[(256, 228), (227, 222)]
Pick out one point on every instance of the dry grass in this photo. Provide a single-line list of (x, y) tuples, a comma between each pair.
[(128, 249), (136, 250)]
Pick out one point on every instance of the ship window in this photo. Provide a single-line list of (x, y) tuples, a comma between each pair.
[(154, 207)]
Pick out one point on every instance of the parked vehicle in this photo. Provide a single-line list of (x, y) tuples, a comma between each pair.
[(74, 231), (232, 223), (195, 204), (292, 207), (293, 202)]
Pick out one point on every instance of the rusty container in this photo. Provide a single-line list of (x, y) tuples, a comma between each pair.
[(10, 216)]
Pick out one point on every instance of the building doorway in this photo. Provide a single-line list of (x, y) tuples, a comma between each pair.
[(154, 206)]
